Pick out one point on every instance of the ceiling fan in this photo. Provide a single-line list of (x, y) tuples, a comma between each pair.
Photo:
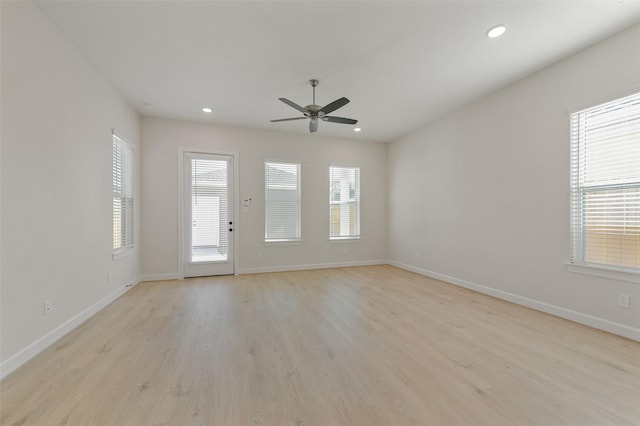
[(316, 112)]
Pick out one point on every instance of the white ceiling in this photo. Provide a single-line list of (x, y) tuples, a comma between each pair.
[(400, 63)]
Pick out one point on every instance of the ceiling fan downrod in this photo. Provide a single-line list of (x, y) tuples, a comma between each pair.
[(314, 83)]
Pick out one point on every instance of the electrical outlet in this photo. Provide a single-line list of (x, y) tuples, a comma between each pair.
[(623, 300), (48, 307)]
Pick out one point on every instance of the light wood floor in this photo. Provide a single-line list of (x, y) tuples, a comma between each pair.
[(354, 346)]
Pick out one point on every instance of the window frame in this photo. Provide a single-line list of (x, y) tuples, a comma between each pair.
[(357, 202), (123, 245), (577, 262), (271, 239)]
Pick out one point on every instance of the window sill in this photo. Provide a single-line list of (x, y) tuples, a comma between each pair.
[(121, 254), (344, 239), (283, 242), (602, 271)]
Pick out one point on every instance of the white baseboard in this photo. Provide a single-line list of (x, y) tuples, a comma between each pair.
[(286, 268), (579, 317), (281, 268), (159, 277), (25, 354)]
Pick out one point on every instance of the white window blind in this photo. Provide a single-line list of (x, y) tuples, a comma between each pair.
[(122, 174), (344, 202), (282, 201), (605, 184)]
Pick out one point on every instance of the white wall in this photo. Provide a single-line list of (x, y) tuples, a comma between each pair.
[(57, 116), (160, 141), (481, 197)]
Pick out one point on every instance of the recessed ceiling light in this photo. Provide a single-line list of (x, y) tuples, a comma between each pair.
[(357, 129), (206, 109), (496, 31)]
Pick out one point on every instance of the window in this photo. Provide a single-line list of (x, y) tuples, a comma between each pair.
[(605, 184), (344, 202), (122, 169), (282, 201)]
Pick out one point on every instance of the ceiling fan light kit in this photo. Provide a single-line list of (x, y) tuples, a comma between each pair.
[(316, 112)]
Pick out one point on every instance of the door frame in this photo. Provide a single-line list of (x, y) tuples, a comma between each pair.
[(181, 207)]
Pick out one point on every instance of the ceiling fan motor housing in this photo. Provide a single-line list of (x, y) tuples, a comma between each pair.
[(314, 111)]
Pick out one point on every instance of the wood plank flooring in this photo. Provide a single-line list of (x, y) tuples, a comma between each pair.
[(353, 346)]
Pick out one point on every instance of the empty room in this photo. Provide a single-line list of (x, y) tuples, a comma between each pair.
[(320, 212)]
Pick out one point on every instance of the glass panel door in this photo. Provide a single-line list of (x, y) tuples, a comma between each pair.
[(208, 214)]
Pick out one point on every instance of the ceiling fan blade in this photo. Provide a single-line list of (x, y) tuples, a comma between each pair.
[(289, 119), (339, 103), (293, 105), (313, 125), (332, 119)]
